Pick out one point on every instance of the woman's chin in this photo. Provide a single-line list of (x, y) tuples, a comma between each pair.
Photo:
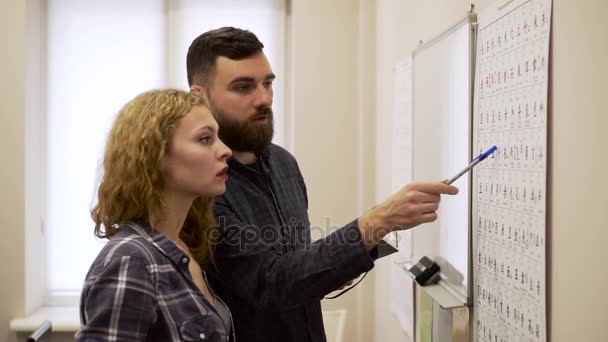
[(220, 190)]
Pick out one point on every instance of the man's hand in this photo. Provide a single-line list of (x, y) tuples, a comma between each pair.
[(414, 204)]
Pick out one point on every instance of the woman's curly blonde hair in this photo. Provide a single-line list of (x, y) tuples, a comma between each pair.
[(132, 180)]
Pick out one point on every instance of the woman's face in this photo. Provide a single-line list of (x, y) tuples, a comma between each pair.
[(195, 163)]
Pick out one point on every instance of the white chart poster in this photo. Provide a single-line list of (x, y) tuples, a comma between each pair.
[(509, 189)]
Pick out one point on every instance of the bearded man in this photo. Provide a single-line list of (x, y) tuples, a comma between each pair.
[(266, 268)]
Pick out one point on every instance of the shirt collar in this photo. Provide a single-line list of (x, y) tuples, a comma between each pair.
[(265, 155), (261, 164), (160, 242)]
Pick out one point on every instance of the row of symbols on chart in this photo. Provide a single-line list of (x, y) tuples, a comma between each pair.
[(519, 191), (519, 272), (516, 69), (522, 108), (505, 313), (520, 233), (526, 24), (522, 150)]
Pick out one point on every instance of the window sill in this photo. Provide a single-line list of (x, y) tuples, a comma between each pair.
[(66, 319), (63, 319)]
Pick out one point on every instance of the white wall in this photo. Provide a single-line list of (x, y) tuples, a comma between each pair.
[(578, 208)]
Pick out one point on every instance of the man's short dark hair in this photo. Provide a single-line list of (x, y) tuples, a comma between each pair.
[(229, 42)]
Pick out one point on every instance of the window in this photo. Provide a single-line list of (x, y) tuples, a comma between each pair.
[(100, 54)]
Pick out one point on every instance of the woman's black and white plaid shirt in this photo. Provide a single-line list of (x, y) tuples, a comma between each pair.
[(139, 289)]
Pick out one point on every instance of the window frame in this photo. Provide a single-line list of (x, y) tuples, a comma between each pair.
[(37, 292)]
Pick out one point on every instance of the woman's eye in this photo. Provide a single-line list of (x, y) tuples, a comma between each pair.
[(205, 140)]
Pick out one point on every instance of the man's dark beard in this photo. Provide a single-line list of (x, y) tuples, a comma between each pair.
[(246, 136)]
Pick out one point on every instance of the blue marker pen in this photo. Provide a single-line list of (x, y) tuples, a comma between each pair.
[(473, 163)]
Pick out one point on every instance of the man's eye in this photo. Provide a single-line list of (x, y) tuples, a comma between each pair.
[(268, 84), (243, 87)]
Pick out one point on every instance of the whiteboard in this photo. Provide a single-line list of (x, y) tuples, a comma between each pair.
[(402, 286), (442, 103)]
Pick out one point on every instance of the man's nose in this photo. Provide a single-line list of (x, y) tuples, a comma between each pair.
[(263, 96)]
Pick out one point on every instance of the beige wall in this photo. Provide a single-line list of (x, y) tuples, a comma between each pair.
[(578, 208), (343, 51), (331, 103), (12, 121), (578, 205)]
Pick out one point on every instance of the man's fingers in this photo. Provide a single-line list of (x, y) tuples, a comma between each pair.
[(433, 188), (416, 203), (428, 217), (423, 197), (421, 209), (421, 218), (428, 207)]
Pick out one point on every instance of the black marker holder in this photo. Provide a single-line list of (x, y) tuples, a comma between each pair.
[(425, 272)]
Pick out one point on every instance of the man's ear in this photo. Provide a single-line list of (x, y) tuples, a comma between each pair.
[(199, 90)]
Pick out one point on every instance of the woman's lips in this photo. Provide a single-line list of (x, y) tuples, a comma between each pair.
[(223, 173)]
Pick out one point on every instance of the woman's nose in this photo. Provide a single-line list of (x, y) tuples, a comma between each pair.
[(225, 151)]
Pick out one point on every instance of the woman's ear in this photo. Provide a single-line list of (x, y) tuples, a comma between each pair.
[(162, 163)]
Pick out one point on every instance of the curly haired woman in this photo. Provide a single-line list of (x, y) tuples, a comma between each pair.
[(162, 167)]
